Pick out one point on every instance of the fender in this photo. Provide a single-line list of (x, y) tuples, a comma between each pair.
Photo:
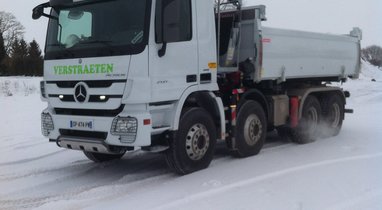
[(180, 104), (305, 92), (258, 96)]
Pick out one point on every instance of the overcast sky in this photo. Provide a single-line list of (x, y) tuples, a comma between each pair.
[(327, 16)]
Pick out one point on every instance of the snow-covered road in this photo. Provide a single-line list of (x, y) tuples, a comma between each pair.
[(343, 172)]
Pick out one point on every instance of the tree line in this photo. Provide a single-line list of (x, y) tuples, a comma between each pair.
[(17, 57), (373, 55)]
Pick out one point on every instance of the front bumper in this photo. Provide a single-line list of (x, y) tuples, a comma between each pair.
[(100, 129)]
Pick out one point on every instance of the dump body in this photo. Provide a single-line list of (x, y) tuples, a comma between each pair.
[(280, 54), (297, 54)]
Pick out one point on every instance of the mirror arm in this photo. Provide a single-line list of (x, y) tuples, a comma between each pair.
[(163, 50), (45, 5), (49, 16)]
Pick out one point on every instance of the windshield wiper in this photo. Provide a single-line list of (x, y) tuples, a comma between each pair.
[(104, 42), (62, 47)]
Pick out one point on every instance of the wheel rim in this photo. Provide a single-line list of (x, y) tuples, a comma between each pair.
[(252, 130), (312, 120), (335, 115), (197, 142)]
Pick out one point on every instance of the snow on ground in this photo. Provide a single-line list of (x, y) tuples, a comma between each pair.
[(342, 172)]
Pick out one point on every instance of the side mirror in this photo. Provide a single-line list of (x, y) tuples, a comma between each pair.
[(37, 12)]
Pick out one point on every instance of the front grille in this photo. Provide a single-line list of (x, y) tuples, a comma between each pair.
[(83, 134), (90, 112), (97, 98), (100, 84), (66, 98), (92, 98), (91, 84)]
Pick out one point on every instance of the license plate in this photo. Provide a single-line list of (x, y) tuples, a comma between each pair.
[(82, 124)]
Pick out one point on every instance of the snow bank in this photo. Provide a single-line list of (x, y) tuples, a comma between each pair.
[(371, 72), (20, 86), (367, 89)]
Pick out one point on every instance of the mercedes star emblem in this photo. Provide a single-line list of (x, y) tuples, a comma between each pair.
[(80, 92)]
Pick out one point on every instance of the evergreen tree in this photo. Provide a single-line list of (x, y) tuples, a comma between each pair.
[(3, 56), (19, 54), (35, 60)]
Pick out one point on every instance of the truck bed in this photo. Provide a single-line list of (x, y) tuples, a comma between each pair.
[(290, 54)]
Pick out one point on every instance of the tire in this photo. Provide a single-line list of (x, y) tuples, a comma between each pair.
[(100, 157), (333, 115), (308, 128), (192, 146), (251, 130)]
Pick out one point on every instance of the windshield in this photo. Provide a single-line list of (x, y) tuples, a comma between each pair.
[(98, 28)]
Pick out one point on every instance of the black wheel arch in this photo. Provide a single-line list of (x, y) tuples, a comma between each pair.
[(256, 95), (324, 96), (204, 100)]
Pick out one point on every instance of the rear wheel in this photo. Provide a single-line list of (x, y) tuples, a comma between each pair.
[(251, 129), (308, 128), (100, 157), (192, 146), (333, 115)]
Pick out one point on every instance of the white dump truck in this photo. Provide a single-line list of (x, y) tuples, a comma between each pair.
[(175, 76)]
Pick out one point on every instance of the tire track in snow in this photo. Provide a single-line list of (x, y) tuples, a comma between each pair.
[(79, 164), (222, 153), (93, 192), (272, 175), (29, 146), (103, 181), (121, 184), (31, 159), (13, 176), (20, 204), (360, 201), (19, 142)]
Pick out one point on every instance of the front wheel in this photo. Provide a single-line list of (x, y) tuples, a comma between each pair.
[(100, 157), (192, 146)]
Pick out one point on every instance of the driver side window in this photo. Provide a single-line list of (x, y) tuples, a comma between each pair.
[(173, 21)]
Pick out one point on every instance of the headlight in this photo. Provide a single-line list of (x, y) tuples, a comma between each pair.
[(126, 127), (47, 125), (42, 89)]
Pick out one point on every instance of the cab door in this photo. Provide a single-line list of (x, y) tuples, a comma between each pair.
[(173, 60)]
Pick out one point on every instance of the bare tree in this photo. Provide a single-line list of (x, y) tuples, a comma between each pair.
[(227, 4), (3, 56), (11, 29), (373, 55)]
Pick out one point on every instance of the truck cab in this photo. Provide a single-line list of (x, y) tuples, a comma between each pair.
[(110, 64)]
